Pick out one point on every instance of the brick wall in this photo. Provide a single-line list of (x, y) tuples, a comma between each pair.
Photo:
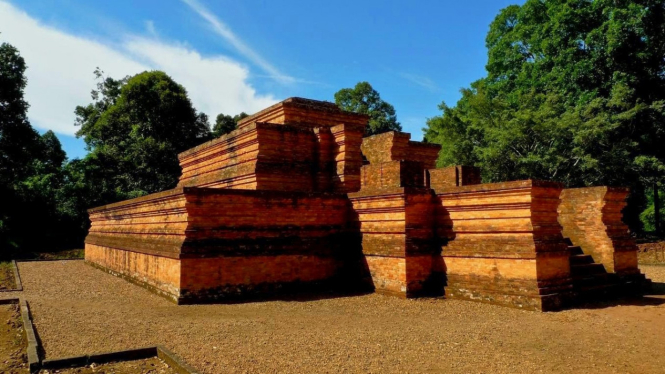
[(160, 274), (501, 243), (275, 239), (243, 277), (396, 233), (591, 218), (453, 176), (152, 224)]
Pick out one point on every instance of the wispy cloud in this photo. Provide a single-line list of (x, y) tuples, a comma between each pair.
[(150, 28), (420, 81), (60, 70), (221, 29)]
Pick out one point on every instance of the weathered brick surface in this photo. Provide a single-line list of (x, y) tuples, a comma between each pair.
[(502, 243), (302, 236), (398, 173), (394, 214), (591, 218), (285, 203), (153, 224), (160, 272), (453, 176), (323, 152), (241, 277), (396, 146), (305, 113)]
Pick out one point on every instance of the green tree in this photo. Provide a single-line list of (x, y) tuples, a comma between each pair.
[(30, 168), (224, 123), (19, 146), (19, 142), (648, 216), (134, 130), (574, 92), (364, 99)]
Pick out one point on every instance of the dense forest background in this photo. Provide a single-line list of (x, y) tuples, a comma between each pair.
[(574, 92)]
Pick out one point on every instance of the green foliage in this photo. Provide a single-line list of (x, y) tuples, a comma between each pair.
[(30, 167), (224, 123), (134, 130), (575, 92), (648, 216), (364, 99), (19, 142)]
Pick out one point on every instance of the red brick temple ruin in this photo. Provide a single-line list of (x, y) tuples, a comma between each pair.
[(296, 199)]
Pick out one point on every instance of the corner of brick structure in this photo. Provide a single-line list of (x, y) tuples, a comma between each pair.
[(502, 244), (592, 220), (296, 201)]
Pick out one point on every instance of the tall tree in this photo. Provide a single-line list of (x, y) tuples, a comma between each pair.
[(134, 130), (224, 123), (364, 99), (575, 92), (30, 167), (19, 142)]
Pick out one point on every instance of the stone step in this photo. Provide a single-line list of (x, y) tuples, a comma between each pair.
[(596, 291), (575, 250), (582, 270), (581, 260), (594, 281)]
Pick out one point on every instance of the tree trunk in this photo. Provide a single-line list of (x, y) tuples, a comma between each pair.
[(656, 208)]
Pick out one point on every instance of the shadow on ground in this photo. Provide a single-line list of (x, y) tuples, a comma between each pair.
[(653, 297)]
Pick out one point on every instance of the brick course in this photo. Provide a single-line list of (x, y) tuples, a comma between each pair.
[(286, 203)]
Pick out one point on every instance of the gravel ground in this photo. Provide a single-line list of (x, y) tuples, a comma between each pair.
[(78, 309)]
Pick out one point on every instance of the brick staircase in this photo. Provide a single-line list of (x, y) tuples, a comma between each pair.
[(590, 279)]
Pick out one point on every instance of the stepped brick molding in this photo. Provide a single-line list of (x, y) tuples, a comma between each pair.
[(324, 157), (501, 243), (296, 199), (397, 239), (394, 213), (197, 244), (591, 219)]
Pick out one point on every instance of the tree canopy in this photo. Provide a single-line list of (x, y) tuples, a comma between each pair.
[(574, 92), (224, 123), (364, 99), (135, 128), (30, 165)]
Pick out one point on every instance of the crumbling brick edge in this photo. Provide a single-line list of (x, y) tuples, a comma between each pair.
[(17, 279), (159, 351)]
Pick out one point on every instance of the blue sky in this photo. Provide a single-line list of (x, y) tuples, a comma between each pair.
[(235, 56)]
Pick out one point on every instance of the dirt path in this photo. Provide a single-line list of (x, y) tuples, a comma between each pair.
[(78, 309), (13, 344), (7, 281)]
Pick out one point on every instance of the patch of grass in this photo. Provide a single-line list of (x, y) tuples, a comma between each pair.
[(7, 281), (61, 255)]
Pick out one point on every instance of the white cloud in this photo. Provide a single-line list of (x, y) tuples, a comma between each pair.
[(60, 71), (225, 32), (215, 84), (150, 28)]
